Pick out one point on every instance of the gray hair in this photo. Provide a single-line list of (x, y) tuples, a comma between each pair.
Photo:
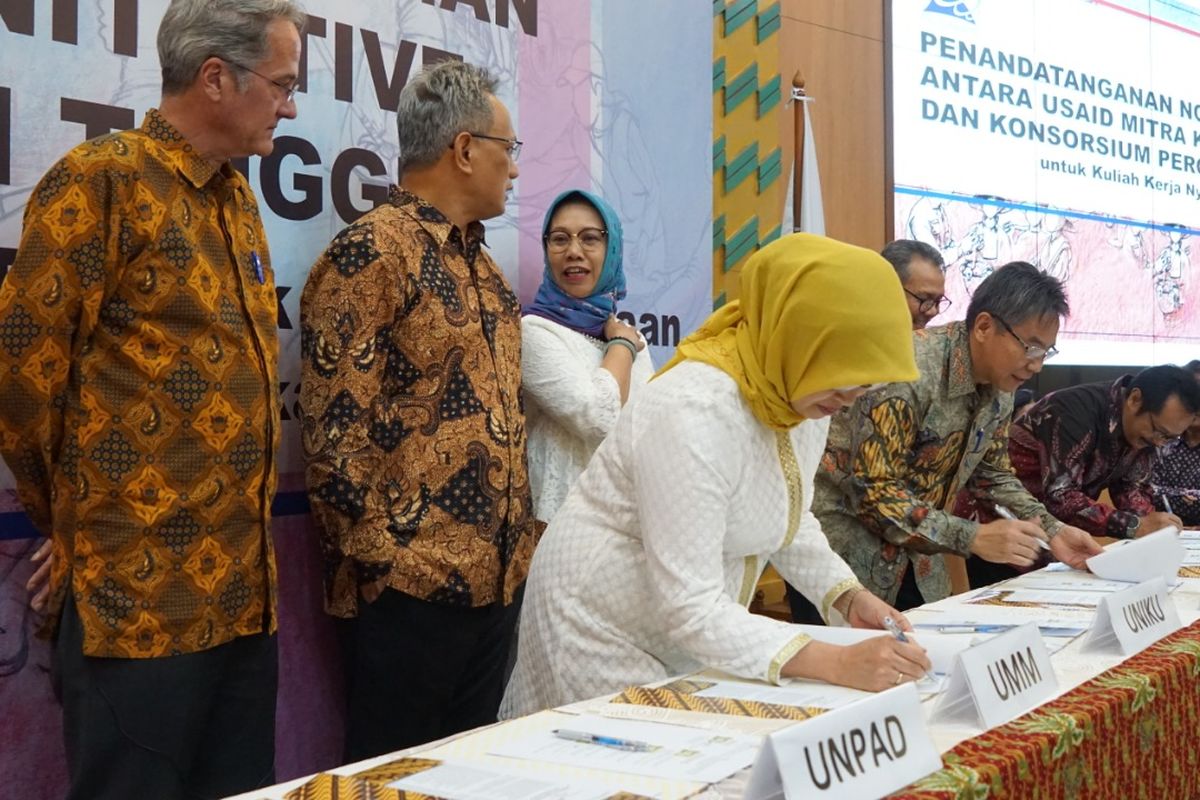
[(901, 252), (1016, 292), (438, 104), (235, 31)]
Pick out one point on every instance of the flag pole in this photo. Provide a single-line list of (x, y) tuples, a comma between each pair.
[(798, 95)]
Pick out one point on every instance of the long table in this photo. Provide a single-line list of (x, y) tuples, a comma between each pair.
[(1120, 728)]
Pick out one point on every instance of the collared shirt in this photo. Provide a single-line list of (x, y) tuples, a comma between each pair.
[(896, 458), (1176, 475), (1071, 446), (414, 432), (139, 400)]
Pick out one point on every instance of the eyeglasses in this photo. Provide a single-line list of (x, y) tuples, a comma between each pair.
[(1033, 352), (928, 304), (513, 145), (288, 89), (1158, 435), (589, 239)]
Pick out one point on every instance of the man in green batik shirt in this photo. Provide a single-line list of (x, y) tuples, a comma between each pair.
[(898, 456)]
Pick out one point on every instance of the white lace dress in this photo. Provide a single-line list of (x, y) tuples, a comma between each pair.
[(647, 569), (571, 404)]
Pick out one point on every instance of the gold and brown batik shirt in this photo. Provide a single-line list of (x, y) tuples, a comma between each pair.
[(414, 432), (138, 392)]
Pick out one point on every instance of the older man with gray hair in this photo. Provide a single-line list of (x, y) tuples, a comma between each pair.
[(922, 276), (413, 428), (139, 412)]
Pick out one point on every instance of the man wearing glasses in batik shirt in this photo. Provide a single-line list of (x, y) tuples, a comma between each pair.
[(896, 459), (139, 413), (1078, 442), (922, 273), (414, 431)]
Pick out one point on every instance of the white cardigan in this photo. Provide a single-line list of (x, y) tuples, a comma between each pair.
[(571, 404)]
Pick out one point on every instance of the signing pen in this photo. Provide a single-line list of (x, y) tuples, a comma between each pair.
[(629, 745), (894, 630), (1166, 503), (1003, 512)]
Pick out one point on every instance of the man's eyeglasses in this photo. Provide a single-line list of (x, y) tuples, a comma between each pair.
[(288, 89), (928, 304), (1033, 352), (589, 239), (513, 146), (1158, 435)]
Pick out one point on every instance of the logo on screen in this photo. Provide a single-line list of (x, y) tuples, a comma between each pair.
[(959, 9)]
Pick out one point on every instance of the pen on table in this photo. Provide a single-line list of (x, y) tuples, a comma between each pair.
[(604, 741), (894, 630), (1002, 511), (966, 628)]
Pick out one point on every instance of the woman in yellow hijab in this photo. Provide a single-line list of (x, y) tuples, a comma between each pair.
[(647, 569)]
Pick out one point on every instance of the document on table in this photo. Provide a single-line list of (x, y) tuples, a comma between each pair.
[(679, 753), (1059, 621), (1054, 597), (458, 781), (941, 649), (1063, 581), (798, 693)]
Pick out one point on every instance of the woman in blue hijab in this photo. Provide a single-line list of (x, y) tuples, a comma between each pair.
[(579, 363)]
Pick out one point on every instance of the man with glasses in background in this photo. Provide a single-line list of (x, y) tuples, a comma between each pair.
[(1080, 441), (1176, 473), (898, 456), (413, 428), (922, 275), (139, 412)]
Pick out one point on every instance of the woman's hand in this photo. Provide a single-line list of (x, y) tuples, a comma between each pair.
[(616, 329), (873, 665), (880, 663), (865, 610)]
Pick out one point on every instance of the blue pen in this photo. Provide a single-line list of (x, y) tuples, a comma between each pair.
[(894, 630), (256, 262), (605, 741)]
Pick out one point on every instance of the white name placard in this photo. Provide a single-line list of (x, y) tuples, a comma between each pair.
[(998, 680), (864, 750), (1132, 619), (1156, 555)]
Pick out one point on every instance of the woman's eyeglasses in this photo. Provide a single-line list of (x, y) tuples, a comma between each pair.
[(589, 239)]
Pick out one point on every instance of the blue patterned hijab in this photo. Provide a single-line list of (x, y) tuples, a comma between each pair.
[(586, 315)]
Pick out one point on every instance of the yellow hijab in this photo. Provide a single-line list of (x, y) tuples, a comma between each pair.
[(814, 314)]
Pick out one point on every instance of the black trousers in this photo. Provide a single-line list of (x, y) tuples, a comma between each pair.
[(805, 612), (985, 573), (418, 671), (200, 725)]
